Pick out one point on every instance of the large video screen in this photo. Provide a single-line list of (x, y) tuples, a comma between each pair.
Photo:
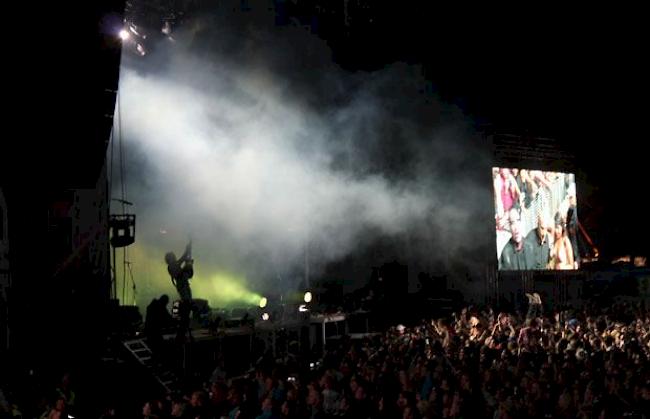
[(536, 219)]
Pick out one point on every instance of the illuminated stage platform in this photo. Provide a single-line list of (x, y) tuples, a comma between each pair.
[(203, 334)]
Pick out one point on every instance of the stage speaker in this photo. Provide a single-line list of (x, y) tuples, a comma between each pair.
[(122, 230)]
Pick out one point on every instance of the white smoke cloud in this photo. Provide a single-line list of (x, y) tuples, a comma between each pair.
[(255, 168)]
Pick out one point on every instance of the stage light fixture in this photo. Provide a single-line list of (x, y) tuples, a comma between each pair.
[(263, 302), (308, 297), (265, 316), (124, 35), (133, 29), (167, 28)]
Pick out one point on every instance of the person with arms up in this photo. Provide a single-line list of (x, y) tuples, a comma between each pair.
[(181, 270)]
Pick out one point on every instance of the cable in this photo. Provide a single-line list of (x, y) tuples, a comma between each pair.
[(128, 263), (119, 124), (110, 167)]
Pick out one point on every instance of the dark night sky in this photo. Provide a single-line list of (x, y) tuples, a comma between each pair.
[(574, 76)]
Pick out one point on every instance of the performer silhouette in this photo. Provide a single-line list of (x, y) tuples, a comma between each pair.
[(181, 270)]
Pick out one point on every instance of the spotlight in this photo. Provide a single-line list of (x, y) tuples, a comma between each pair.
[(303, 308), (308, 297), (133, 29), (265, 316), (263, 302), (124, 34), (167, 28)]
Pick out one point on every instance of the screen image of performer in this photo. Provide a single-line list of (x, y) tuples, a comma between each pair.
[(513, 256), (181, 271), (562, 251), (537, 245)]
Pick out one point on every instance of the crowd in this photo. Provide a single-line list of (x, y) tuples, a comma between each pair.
[(586, 363)]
